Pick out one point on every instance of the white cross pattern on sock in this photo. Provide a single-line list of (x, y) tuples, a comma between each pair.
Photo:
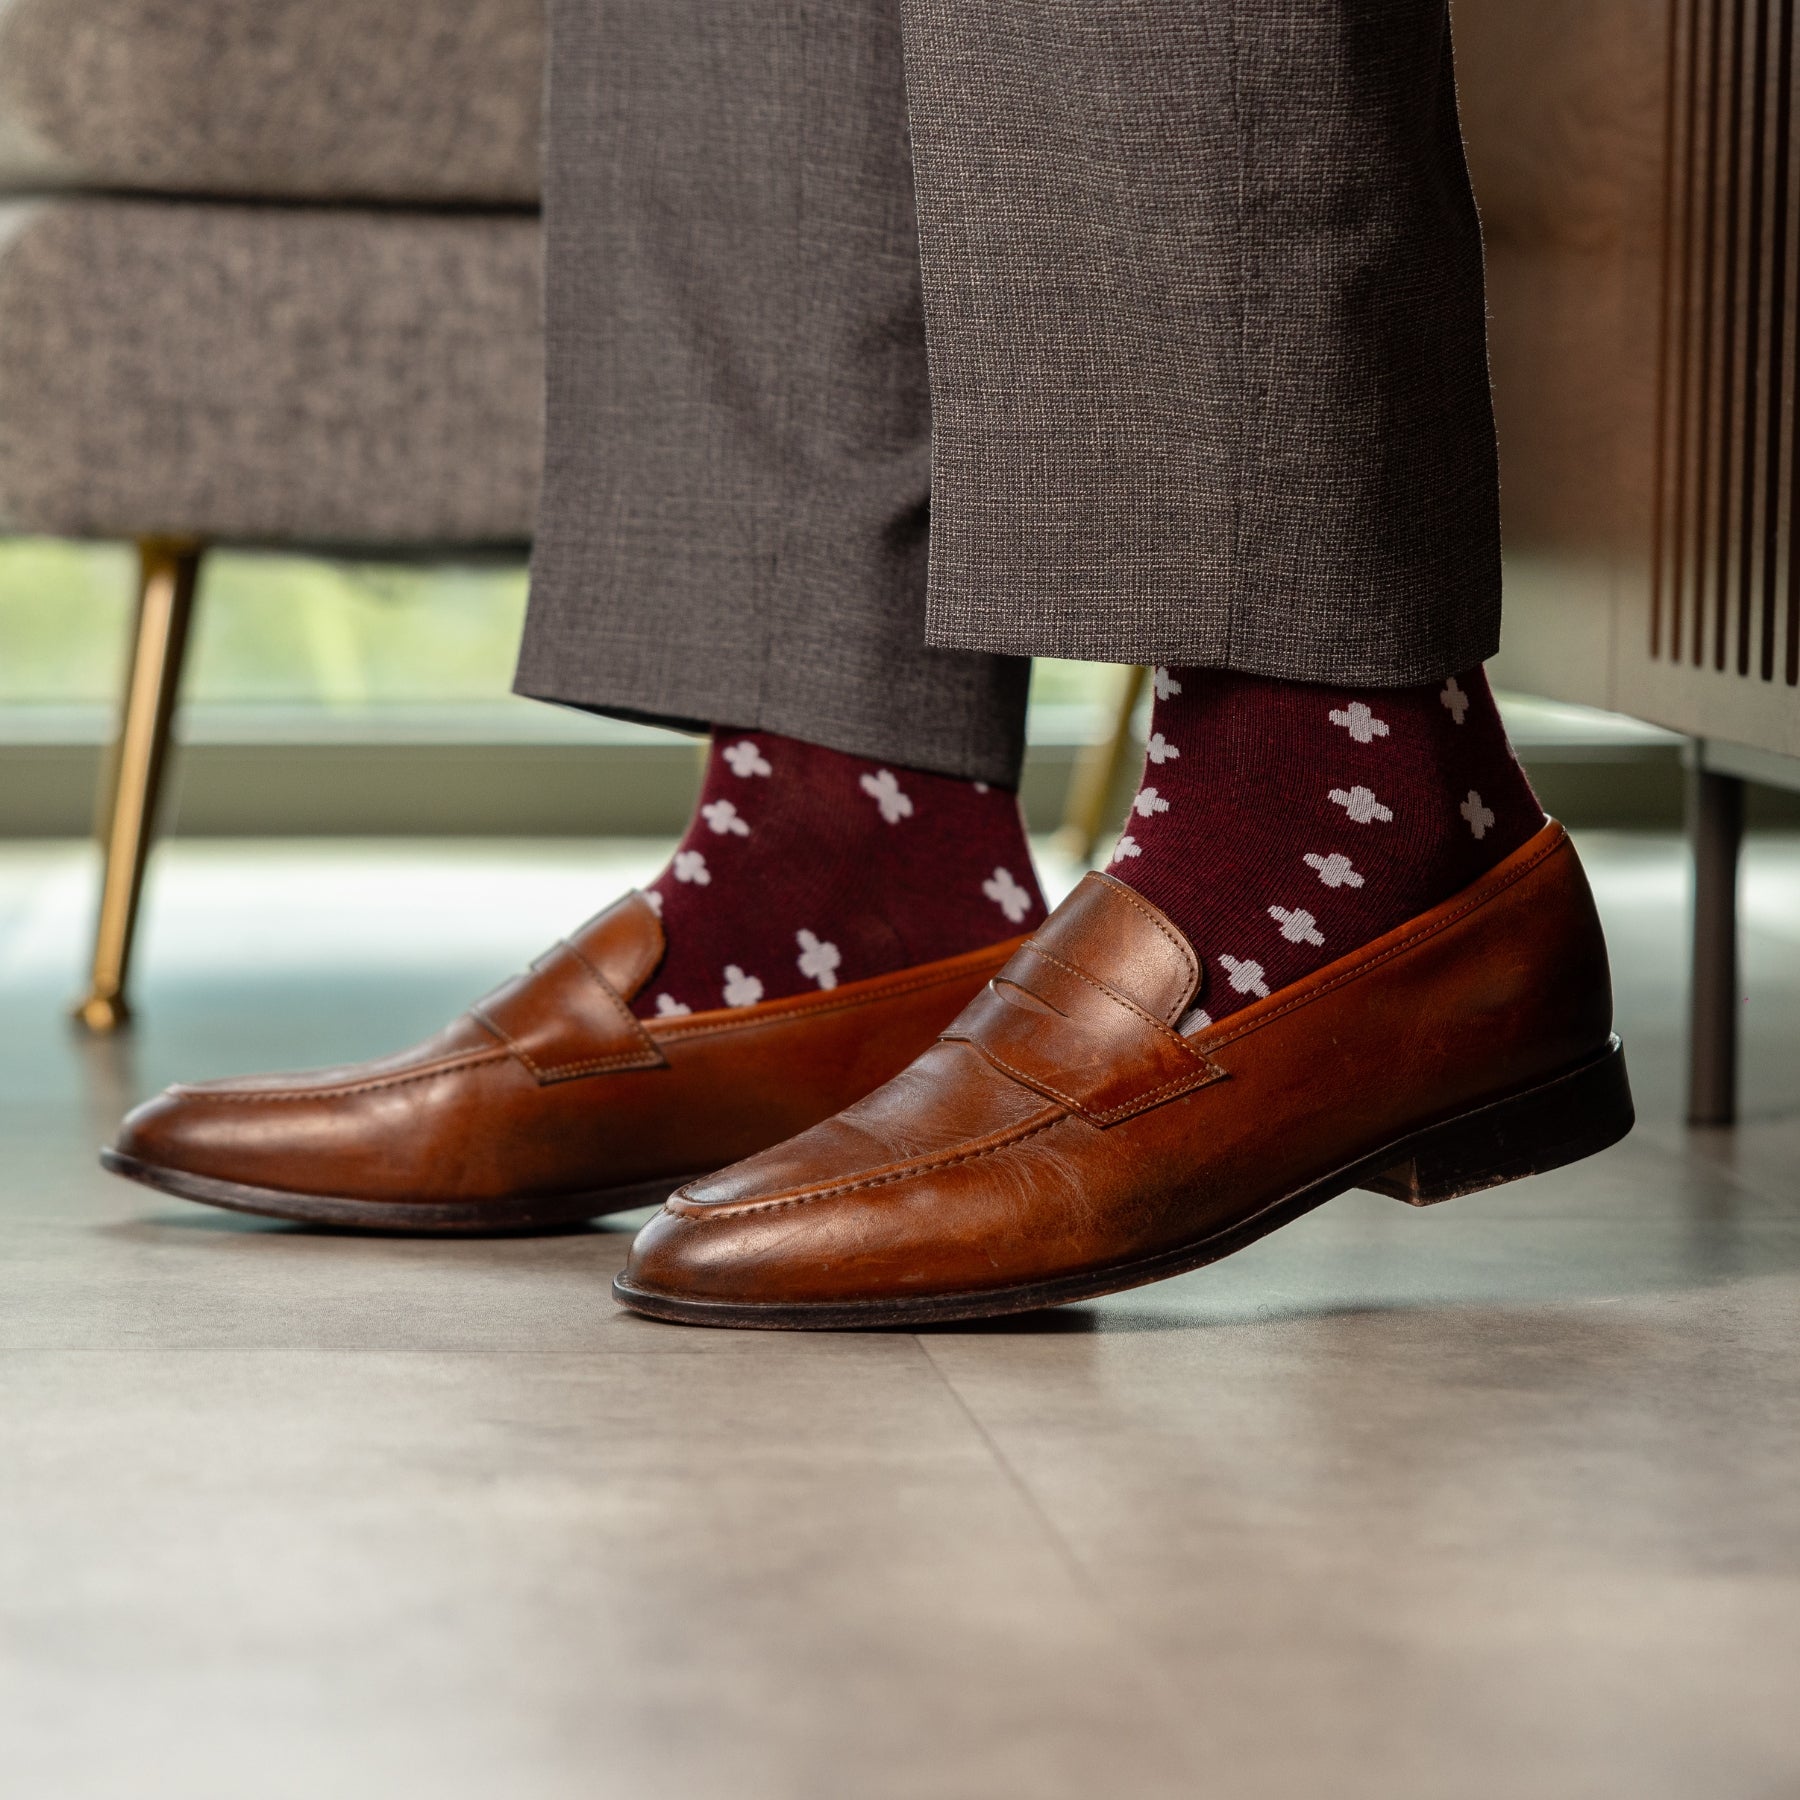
[(722, 816), (1160, 750), (884, 790), (1361, 724), (747, 760), (1165, 684), (1006, 894), (818, 960), (1480, 817), (1298, 926), (1148, 803), (654, 900), (1362, 805), (690, 865), (1455, 699), (1127, 846), (668, 1007), (1246, 977), (1334, 870), (741, 989)]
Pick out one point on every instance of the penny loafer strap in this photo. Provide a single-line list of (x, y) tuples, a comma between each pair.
[(1061, 1031), (564, 1020)]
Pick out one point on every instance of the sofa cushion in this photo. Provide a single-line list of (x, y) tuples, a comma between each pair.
[(268, 374), (380, 100)]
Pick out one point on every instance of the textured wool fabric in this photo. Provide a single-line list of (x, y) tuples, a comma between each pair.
[(738, 462), (805, 868), (425, 100), (1206, 379), (269, 374), (1282, 826), (1208, 344)]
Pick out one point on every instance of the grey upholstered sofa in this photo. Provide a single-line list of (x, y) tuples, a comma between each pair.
[(269, 274)]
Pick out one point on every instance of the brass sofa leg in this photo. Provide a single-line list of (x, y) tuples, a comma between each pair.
[(1096, 775), (169, 573)]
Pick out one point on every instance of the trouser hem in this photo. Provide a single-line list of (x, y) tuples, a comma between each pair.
[(995, 756)]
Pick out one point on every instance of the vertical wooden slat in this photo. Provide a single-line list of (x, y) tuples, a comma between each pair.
[(1685, 326), (1708, 273), (1722, 513), (1668, 536), (1786, 305), (1696, 332), (1754, 407), (1777, 384), (1726, 578)]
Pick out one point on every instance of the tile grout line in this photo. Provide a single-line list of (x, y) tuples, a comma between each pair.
[(1064, 1550)]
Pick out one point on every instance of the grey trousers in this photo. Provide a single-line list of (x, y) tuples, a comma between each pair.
[(1178, 356)]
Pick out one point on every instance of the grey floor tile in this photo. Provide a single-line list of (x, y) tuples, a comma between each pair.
[(374, 1575), (1760, 1156), (1520, 1522)]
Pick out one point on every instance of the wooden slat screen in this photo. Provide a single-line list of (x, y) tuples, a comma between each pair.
[(1726, 591)]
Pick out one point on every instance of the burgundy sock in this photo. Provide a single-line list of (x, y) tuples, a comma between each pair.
[(1282, 826), (804, 868)]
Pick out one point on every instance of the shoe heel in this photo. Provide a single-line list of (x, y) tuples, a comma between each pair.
[(1544, 1128)]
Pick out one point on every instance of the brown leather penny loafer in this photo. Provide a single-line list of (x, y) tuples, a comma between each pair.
[(546, 1103), (1064, 1140)]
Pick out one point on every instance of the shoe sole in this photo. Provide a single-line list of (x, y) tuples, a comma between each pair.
[(405, 1218), (1575, 1115)]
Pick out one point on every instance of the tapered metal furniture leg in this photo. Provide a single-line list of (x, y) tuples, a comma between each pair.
[(169, 574), (1716, 832), (1096, 775)]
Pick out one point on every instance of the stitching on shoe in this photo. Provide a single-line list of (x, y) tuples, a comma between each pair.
[(550, 1072), (1204, 1075), (675, 1030), (709, 1212), (1409, 942), (619, 999), (1037, 1087), (1160, 1026), (475, 1059), (1204, 1070), (1101, 987), (1189, 955)]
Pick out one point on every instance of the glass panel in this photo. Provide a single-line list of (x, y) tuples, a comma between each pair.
[(349, 637), (294, 631), (63, 614), (270, 628)]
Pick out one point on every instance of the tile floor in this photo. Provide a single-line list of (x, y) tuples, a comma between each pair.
[(1496, 1500)]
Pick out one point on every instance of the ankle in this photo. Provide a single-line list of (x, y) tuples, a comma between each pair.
[(1282, 825), (805, 867)]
